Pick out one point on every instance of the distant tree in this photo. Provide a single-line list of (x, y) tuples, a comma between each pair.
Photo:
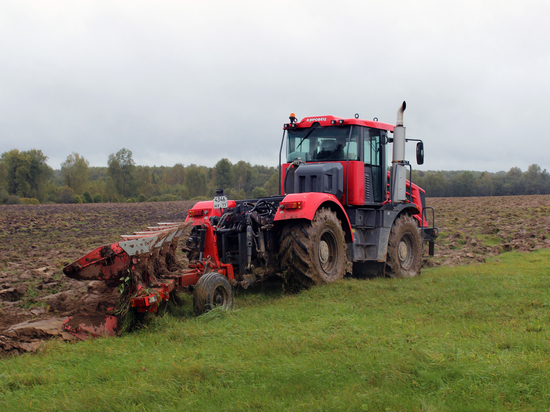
[(262, 174), (175, 175), (244, 176), (3, 176), (259, 192), (121, 171), (485, 185), (87, 197), (513, 182), (144, 181), (235, 194), (74, 171), (464, 184), (26, 172), (272, 185), (498, 181), (196, 181), (535, 180), (97, 173), (110, 193), (434, 184), (223, 174)]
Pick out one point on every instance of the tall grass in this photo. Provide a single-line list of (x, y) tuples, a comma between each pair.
[(470, 338)]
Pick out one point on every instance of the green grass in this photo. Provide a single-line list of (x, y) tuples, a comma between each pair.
[(470, 338), (490, 240)]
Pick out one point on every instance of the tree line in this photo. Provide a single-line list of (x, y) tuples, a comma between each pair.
[(534, 181), (25, 177)]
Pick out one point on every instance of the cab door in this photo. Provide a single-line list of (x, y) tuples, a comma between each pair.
[(373, 155)]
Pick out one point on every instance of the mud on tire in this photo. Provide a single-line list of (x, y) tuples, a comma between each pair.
[(404, 248), (212, 290), (313, 253)]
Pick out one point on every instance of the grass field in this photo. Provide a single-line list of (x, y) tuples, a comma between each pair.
[(466, 338)]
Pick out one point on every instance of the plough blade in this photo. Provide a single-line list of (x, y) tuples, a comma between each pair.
[(152, 249), (106, 263), (85, 327)]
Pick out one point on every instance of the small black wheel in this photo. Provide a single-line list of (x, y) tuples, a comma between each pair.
[(212, 290), (404, 248)]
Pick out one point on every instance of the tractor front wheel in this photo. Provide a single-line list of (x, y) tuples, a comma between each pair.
[(212, 290), (313, 253), (404, 248)]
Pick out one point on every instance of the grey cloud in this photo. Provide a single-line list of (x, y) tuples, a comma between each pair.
[(193, 82)]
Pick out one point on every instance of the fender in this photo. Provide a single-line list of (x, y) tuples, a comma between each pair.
[(305, 206)]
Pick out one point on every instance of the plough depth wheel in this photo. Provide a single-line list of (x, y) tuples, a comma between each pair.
[(212, 290)]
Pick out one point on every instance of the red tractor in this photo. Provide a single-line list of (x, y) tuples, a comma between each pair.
[(338, 203)]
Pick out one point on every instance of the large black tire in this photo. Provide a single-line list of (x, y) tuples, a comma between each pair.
[(212, 290), (404, 248), (313, 253)]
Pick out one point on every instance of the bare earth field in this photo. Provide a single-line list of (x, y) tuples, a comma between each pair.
[(37, 241)]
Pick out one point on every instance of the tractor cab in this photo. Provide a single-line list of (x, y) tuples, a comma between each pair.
[(343, 157)]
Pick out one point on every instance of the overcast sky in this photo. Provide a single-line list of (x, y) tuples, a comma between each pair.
[(195, 81)]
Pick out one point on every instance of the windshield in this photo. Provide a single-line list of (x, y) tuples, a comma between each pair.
[(322, 143)]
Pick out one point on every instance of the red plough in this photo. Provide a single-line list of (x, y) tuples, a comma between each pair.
[(144, 265)]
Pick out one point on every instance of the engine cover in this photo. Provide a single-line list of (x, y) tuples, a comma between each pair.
[(319, 177)]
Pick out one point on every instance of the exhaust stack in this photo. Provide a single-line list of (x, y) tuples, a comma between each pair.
[(399, 172)]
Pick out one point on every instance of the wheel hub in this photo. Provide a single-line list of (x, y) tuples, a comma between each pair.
[(323, 252), (403, 250), (219, 297)]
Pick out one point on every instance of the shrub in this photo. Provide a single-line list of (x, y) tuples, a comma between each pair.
[(87, 197), (77, 199), (98, 198), (142, 198), (4, 196), (153, 199), (66, 195), (13, 200), (29, 201), (169, 198)]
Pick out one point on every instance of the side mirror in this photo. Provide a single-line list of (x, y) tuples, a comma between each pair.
[(420, 153)]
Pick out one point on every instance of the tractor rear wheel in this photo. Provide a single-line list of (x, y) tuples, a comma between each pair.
[(212, 290), (313, 252), (404, 248)]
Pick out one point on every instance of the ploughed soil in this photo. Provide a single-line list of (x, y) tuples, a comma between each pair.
[(37, 241), (471, 229)]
